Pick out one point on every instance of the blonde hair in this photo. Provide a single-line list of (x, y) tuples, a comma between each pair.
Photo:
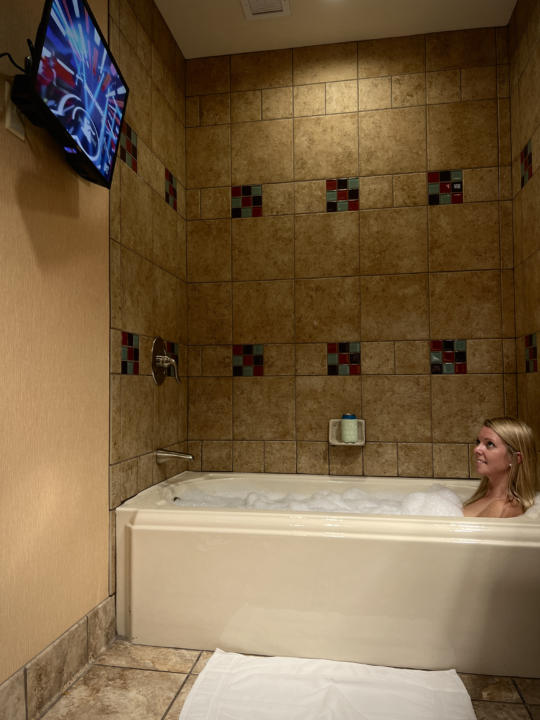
[(518, 438)]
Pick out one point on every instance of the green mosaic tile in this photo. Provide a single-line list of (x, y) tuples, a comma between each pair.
[(445, 199), (343, 370)]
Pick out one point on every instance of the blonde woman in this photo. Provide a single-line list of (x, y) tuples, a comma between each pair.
[(505, 456)]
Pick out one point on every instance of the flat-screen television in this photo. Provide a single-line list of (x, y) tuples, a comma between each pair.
[(74, 88)]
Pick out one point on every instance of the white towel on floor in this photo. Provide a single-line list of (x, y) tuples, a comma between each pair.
[(243, 687)]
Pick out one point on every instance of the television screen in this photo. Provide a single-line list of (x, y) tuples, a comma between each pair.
[(80, 85)]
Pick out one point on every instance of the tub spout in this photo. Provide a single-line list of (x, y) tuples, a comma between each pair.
[(164, 455)]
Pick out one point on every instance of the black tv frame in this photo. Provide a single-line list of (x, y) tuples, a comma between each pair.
[(25, 96)]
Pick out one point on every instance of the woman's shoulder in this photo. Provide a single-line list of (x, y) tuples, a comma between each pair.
[(497, 507)]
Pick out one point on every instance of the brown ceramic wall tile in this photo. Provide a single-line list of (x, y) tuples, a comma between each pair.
[(310, 196), (346, 460), (461, 48), (480, 184), (207, 75), (135, 212), (375, 192), (150, 167), (164, 131), (326, 245), (311, 359), (394, 307), (393, 241), (410, 189), (324, 63), (263, 311), (277, 103), (443, 86), (263, 248), (278, 199), (210, 408), (248, 456), (208, 250), (326, 147), (209, 313), (169, 402), (479, 83), (391, 56), (269, 69), (49, 673), (101, 627), (341, 97), (506, 234), (527, 297), (462, 135), (217, 456), (408, 90), (208, 156), (279, 359), (505, 150), (326, 308), (139, 113), (380, 459), (263, 408), (123, 482), (193, 113), (464, 237), (374, 93), (508, 296), (503, 80), (528, 240), (377, 358), (215, 109), (168, 312), (262, 152), (415, 460), (412, 357), (319, 399), (312, 458), (246, 106), (397, 407), (131, 423), (484, 356), (215, 360), (392, 141), (12, 697), (309, 100), (465, 304), (215, 203), (166, 244), (461, 403), (279, 457), (115, 280), (450, 460)]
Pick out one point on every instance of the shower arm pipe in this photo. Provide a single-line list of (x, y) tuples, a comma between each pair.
[(164, 455)]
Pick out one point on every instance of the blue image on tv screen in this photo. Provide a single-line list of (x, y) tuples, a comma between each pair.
[(80, 84)]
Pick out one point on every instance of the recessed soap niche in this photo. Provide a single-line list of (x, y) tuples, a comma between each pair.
[(334, 433)]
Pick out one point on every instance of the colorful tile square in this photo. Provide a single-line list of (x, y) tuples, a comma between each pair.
[(448, 357), (246, 201), (342, 194), (248, 360), (526, 163), (130, 354), (171, 192), (531, 353), (128, 146), (343, 358), (445, 187)]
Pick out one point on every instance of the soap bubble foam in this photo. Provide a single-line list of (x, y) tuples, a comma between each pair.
[(435, 501)]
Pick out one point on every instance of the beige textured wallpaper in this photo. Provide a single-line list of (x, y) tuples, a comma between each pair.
[(54, 381)]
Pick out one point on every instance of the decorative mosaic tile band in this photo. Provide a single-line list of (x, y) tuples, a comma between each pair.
[(171, 194), (128, 146), (246, 201), (130, 354), (342, 194), (448, 357), (343, 358), (445, 187), (172, 351), (526, 163), (248, 360), (531, 353)]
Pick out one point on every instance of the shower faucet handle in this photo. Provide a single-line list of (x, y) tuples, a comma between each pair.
[(161, 361)]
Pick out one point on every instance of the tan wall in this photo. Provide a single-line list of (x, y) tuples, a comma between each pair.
[(524, 35), (392, 275), (54, 389)]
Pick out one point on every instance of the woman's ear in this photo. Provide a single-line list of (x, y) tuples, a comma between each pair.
[(518, 456)]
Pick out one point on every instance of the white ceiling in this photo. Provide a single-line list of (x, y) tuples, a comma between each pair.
[(219, 27)]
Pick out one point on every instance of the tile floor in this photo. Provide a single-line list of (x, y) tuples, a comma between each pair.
[(137, 682)]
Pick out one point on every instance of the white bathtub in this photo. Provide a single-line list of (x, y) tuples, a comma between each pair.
[(412, 592)]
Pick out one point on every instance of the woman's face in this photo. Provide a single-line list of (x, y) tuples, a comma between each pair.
[(491, 455)]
